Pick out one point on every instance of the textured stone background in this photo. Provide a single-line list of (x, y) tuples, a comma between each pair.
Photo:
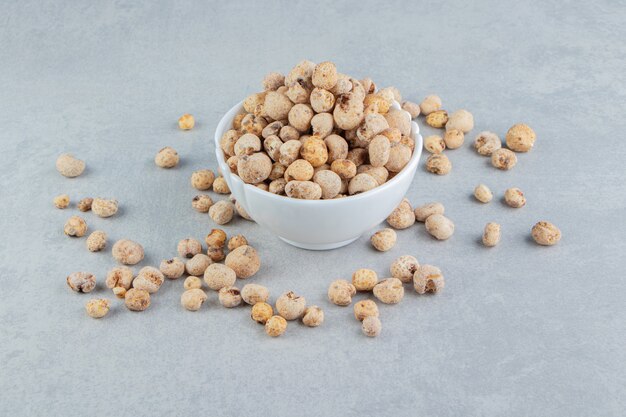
[(520, 329)]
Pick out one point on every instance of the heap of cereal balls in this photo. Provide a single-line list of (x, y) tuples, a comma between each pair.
[(319, 134)]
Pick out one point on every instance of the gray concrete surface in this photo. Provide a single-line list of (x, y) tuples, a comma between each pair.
[(520, 330)]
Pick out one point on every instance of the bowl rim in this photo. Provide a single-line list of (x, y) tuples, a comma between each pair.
[(236, 109)]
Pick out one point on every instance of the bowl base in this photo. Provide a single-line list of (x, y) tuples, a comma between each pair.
[(319, 246)]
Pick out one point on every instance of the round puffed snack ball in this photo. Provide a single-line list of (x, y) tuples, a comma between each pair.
[(172, 268), (275, 326), (430, 104), (453, 138), (218, 276), (244, 261), (503, 159), (313, 316), (104, 207), (427, 210), (127, 252), (229, 297), (254, 293), (193, 299), (486, 143), (364, 279), (428, 278), (198, 264), (389, 291), (290, 305), (202, 203), (364, 309), (222, 212), (85, 204), (96, 241), (167, 158), (438, 164), (340, 292), (514, 197), (186, 122), (460, 120), (384, 240), (261, 312), (434, 144), (371, 326), (137, 300), (545, 233), (520, 138), (188, 248), (491, 234), (75, 226), (437, 119), (192, 282), (402, 216), (81, 281), (61, 201), (202, 179), (69, 166), (97, 307), (404, 267), (149, 279), (439, 226), (482, 193)]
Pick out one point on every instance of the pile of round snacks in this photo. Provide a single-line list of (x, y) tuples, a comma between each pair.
[(319, 134), (313, 134)]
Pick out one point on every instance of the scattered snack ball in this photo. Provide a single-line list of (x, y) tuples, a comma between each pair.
[(119, 280), (389, 291), (371, 326), (430, 104), (340, 292), (96, 241), (85, 204), (137, 300), (546, 234), (503, 159), (428, 278), (491, 234), (127, 252), (229, 297), (186, 122), (97, 307), (192, 282), (75, 227), (188, 248), (520, 138), (402, 216), (69, 166), (81, 281), (486, 143), (290, 305), (261, 312), (61, 201), (254, 293), (427, 210), (202, 203), (172, 268), (275, 326), (438, 164), (167, 158), (193, 299), (364, 309), (439, 226), (384, 240), (514, 197), (404, 267), (364, 279), (313, 316), (483, 194), (104, 207)]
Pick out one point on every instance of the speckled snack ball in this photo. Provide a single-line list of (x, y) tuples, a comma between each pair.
[(439, 226), (453, 138), (491, 234), (188, 248), (428, 278), (412, 108), (483, 194), (202, 179), (167, 158), (503, 159), (69, 166), (81, 281), (61, 201), (201, 203), (364, 279), (222, 212), (437, 119), (389, 291), (75, 226), (186, 122), (399, 156), (149, 279), (313, 316), (275, 326), (193, 299), (104, 207), (460, 120), (305, 190), (427, 210), (314, 151), (254, 293), (384, 240), (172, 268), (218, 276), (192, 282), (244, 261), (379, 151), (520, 138), (402, 216), (97, 307), (261, 312), (229, 297), (404, 267), (340, 292), (434, 144), (430, 104), (545, 233), (96, 241), (198, 264), (324, 75), (290, 305), (127, 252), (84, 204), (514, 197), (137, 300), (119, 279), (273, 81), (237, 241), (255, 168), (364, 309), (486, 143), (361, 183), (371, 326), (220, 186), (247, 144), (438, 164)]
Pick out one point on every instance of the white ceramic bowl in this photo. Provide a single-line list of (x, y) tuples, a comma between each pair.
[(318, 224)]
